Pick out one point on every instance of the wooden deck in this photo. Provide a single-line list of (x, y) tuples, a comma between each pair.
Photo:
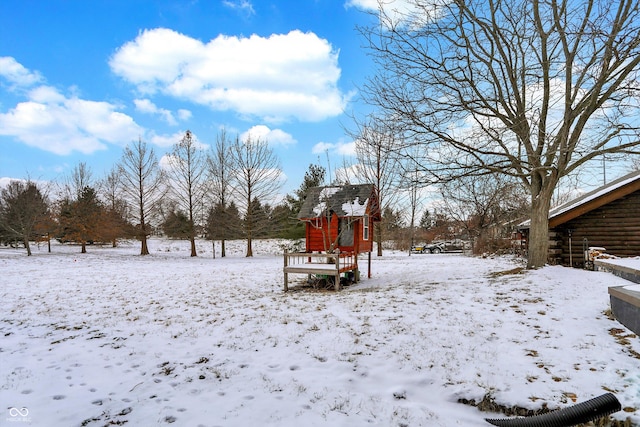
[(318, 264)]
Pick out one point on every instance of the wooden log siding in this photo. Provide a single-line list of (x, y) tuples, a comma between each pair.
[(320, 234), (614, 226)]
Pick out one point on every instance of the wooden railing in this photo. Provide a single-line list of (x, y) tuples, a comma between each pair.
[(318, 263)]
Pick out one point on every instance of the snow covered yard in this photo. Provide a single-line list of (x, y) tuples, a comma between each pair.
[(110, 337)]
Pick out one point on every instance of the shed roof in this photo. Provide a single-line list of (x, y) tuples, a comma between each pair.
[(344, 200), (601, 196)]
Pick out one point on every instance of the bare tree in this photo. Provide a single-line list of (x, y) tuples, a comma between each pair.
[(116, 207), (219, 163), (71, 188), (258, 175), (482, 205), (142, 187), (532, 89), (374, 140), (24, 212), (187, 167), (411, 183)]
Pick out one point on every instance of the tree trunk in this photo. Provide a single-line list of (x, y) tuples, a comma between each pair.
[(84, 247), (379, 236), (144, 248), (27, 246), (193, 246), (223, 252), (249, 247), (192, 229), (539, 230)]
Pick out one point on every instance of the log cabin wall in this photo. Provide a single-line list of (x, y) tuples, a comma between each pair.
[(319, 234), (614, 226)]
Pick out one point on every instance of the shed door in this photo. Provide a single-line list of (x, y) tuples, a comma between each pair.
[(345, 228)]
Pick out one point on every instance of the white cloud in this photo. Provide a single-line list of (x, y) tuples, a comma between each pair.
[(61, 124), (70, 125), (166, 140), (16, 73), (184, 114), (46, 95), (363, 4), (322, 147), (272, 136), (244, 6), (395, 12), (341, 148), (148, 107), (346, 148), (174, 138), (277, 78)]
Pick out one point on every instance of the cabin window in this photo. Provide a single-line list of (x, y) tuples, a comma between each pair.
[(365, 228)]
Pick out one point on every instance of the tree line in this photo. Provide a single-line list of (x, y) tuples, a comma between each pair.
[(224, 192)]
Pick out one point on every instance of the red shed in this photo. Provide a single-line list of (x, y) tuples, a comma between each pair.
[(340, 217)]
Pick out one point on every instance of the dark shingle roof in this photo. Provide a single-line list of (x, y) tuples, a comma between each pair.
[(344, 200)]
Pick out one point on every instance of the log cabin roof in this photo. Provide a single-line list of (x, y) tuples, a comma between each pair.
[(614, 190), (343, 200)]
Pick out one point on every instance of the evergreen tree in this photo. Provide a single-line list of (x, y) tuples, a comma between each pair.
[(284, 223), (177, 225), (82, 220), (223, 222), (314, 177), (426, 222), (257, 219)]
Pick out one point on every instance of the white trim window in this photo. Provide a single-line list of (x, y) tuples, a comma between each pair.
[(365, 227)]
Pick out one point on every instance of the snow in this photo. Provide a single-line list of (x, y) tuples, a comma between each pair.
[(593, 195), (629, 262), (113, 337), (355, 208), (325, 195)]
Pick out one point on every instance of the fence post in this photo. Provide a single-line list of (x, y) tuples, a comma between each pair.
[(337, 279), (286, 276)]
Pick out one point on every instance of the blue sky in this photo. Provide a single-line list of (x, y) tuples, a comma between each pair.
[(79, 80)]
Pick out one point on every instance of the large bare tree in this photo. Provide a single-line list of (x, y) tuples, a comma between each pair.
[(142, 187), (258, 178), (24, 212), (530, 88), (220, 164), (115, 222), (373, 141), (187, 168)]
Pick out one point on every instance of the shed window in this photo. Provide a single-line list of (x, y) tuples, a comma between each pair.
[(365, 227)]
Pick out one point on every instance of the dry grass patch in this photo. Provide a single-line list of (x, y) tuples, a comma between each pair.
[(517, 270)]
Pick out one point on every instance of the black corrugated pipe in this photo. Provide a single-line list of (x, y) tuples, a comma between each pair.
[(578, 414)]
